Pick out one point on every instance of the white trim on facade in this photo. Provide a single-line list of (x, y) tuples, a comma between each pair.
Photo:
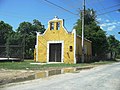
[(62, 51), (64, 26), (37, 46), (53, 21), (57, 19), (74, 32)]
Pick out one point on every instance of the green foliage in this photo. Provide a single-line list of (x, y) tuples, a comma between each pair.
[(24, 27), (93, 32), (29, 30), (5, 30), (37, 26), (114, 45), (15, 38), (90, 16)]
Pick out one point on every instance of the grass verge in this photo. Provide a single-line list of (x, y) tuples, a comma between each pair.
[(26, 65)]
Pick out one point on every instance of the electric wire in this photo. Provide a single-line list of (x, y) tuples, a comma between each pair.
[(107, 12), (68, 10), (59, 7), (111, 7), (70, 6), (105, 9)]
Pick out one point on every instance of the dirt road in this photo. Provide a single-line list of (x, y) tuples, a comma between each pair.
[(105, 77)]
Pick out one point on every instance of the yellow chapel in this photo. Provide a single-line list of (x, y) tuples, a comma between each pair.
[(56, 44)]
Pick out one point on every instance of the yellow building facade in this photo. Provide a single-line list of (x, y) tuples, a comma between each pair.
[(56, 44)]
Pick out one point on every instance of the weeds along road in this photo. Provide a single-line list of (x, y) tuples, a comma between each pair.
[(105, 77)]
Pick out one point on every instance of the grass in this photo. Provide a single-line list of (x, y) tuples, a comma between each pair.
[(26, 65)]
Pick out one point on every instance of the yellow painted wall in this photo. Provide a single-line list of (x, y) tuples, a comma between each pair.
[(61, 35), (87, 44), (56, 35)]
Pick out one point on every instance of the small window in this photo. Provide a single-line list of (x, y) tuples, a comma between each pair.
[(71, 48), (58, 26), (52, 26)]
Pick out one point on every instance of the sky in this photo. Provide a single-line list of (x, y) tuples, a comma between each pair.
[(14, 12)]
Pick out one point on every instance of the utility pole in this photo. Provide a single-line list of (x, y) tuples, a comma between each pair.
[(83, 27)]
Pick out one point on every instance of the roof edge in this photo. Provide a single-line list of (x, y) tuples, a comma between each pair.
[(84, 39)]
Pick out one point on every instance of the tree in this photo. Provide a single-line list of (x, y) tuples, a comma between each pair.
[(24, 27), (5, 29), (37, 26), (93, 32), (5, 39), (114, 46), (15, 38), (28, 30)]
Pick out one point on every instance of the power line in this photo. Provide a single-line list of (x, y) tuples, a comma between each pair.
[(110, 17), (60, 7), (73, 4), (108, 12), (111, 6), (70, 6), (96, 3), (105, 9)]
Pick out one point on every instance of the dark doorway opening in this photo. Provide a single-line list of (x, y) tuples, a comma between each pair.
[(55, 52)]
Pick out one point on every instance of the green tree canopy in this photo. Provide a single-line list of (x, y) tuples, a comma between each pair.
[(29, 30), (93, 32), (37, 26), (5, 30), (114, 45), (25, 27)]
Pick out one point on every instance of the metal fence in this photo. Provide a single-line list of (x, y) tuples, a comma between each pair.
[(11, 52)]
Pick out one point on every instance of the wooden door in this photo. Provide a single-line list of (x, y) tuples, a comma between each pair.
[(55, 52)]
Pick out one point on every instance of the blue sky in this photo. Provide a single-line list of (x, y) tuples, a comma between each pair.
[(14, 12)]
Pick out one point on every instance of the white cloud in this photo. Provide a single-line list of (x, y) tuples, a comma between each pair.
[(118, 22), (103, 25), (110, 28), (112, 23), (107, 20), (99, 19)]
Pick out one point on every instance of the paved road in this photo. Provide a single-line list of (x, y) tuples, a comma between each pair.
[(100, 78)]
